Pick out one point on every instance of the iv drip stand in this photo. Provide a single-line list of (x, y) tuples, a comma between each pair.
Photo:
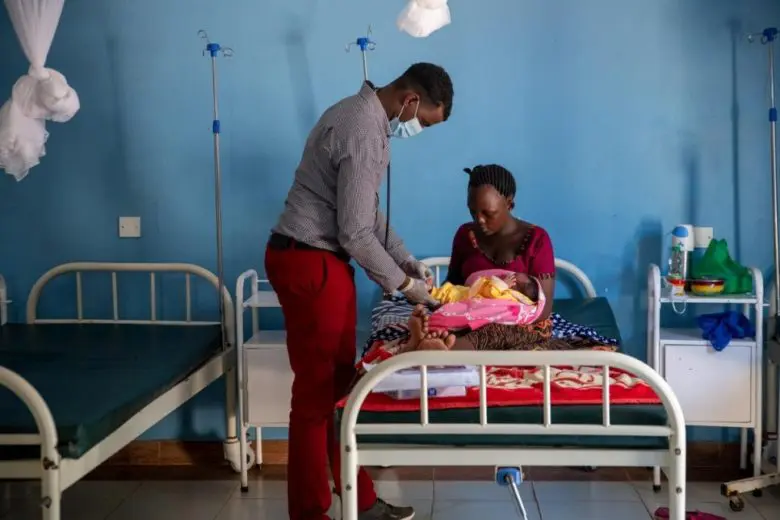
[(365, 43), (734, 489), (215, 50), (768, 37)]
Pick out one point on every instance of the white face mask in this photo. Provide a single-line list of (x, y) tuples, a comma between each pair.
[(404, 129)]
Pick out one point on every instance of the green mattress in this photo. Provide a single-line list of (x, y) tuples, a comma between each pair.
[(95, 377), (594, 312)]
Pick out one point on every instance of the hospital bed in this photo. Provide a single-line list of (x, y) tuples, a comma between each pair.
[(74, 391), (543, 433)]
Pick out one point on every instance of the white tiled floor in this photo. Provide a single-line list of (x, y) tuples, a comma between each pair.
[(439, 500)]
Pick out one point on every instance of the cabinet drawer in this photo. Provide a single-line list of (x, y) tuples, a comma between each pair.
[(269, 386), (712, 387)]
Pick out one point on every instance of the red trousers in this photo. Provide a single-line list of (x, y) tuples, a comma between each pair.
[(317, 293)]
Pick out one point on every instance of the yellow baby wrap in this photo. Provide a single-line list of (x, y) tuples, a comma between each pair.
[(489, 287)]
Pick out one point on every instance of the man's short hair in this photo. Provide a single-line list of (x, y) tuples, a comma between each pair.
[(432, 82)]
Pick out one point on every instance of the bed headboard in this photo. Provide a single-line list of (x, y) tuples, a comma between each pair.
[(188, 270), (437, 263)]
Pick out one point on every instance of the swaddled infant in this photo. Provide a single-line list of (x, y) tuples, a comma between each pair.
[(495, 284)]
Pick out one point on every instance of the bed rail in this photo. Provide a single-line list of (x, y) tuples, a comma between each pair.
[(354, 454), (78, 268), (438, 263), (545, 360)]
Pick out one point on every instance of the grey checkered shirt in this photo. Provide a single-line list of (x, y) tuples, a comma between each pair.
[(334, 200)]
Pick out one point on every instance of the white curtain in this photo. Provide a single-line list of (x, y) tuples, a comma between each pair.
[(39, 95), (422, 17)]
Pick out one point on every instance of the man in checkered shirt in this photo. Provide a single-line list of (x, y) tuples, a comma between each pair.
[(331, 216)]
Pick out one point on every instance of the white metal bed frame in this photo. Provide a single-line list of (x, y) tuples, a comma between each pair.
[(672, 460), (57, 473)]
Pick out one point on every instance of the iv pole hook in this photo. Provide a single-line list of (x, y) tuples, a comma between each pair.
[(365, 43)]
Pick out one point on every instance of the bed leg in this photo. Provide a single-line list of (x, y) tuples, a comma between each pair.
[(349, 471), (677, 479), (51, 496), (231, 415), (242, 457), (657, 479)]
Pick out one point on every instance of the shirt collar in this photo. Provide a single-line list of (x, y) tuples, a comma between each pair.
[(368, 92)]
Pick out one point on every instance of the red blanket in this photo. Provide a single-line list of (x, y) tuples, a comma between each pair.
[(522, 386)]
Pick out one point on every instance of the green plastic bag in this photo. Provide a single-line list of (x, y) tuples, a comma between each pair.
[(717, 263)]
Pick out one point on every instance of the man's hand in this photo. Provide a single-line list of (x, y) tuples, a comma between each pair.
[(416, 269), (417, 292)]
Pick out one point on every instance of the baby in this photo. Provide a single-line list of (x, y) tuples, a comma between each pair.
[(493, 284)]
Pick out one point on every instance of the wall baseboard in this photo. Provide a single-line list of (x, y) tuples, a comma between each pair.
[(181, 453)]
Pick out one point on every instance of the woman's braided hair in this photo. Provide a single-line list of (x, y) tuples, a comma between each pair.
[(492, 175)]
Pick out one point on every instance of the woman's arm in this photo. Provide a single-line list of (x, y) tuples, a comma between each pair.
[(541, 265), (457, 257)]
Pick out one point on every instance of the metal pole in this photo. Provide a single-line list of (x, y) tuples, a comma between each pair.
[(218, 197), (770, 35), (214, 50), (516, 496)]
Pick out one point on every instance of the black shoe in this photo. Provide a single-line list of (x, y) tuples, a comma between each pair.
[(381, 510)]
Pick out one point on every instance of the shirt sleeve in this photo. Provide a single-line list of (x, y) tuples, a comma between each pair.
[(457, 257), (395, 246), (360, 161), (541, 262)]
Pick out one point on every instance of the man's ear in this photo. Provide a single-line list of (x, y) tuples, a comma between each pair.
[(510, 201), (410, 97)]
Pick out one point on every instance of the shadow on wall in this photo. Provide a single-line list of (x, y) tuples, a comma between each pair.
[(300, 73), (735, 28), (645, 249)]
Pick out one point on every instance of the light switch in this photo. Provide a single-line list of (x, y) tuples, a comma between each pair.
[(129, 227)]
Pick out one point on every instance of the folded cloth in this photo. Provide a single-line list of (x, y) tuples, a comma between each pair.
[(720, 328), (662, 513)]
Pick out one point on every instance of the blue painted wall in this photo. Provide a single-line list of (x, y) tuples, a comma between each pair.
[(619, 118)]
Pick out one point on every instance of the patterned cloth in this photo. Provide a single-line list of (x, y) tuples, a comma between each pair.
[(390, 317)]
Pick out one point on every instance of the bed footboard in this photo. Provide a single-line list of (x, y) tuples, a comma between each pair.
[(355, 455), (46, 438)]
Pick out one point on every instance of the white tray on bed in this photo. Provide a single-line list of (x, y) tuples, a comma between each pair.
[(438, 377)]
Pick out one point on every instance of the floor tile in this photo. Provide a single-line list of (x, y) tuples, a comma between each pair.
[(565, 509), (695, 492), (254, 509), (479, 490), (768, 512), (469, 510), (422, 507), (555, 492), (395, 490), (715, 508), (86, 500), (265, 489), (194, 500)]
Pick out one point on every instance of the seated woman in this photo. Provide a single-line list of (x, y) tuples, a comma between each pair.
[(494, 241)]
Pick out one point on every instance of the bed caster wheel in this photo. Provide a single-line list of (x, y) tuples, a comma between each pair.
[(245, 489), (736, 504), (590, 469), (656, 489), (758, 493)]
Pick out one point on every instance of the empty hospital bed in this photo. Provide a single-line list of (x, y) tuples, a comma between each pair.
[(74, 391), (533, 417)]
